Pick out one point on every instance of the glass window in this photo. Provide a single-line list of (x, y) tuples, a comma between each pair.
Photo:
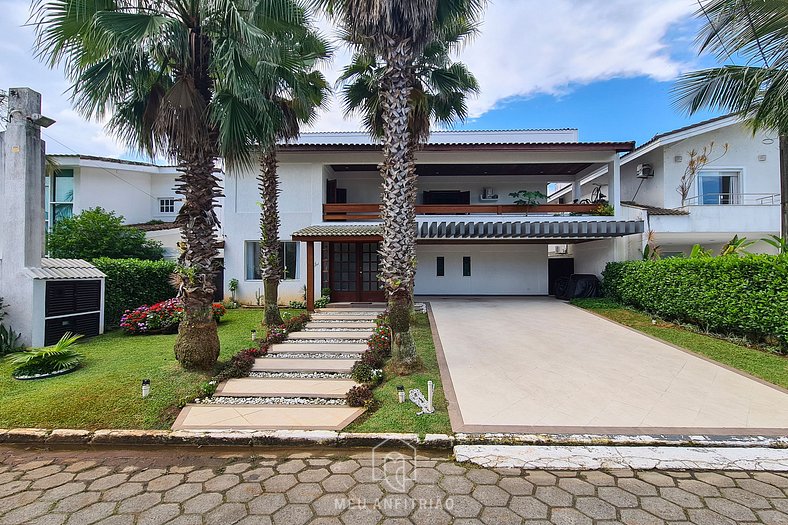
[(64, 186), (440, 267), (718, 187), (466, 266), (167, 205), (288, 255)]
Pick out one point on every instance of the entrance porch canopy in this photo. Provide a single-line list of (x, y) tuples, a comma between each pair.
[(436, 231)]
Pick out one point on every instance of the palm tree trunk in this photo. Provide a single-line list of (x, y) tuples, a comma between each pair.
[(397, 251), (270, 265), (784, 185), (197, 345)]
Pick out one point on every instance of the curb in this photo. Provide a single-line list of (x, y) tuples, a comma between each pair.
[(324, 438)]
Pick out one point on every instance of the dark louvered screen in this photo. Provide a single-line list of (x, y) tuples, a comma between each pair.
[(87, 325), (72, 297)]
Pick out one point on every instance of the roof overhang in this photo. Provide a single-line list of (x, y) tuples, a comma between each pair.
[(618, 147), (64, 269)]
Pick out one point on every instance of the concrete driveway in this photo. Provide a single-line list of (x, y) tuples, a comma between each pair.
[(541, 365)]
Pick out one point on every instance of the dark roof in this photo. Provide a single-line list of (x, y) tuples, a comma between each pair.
[(109, 159), (340, 230), (679, 130), (655, 210), (487, 146), (153, 227)]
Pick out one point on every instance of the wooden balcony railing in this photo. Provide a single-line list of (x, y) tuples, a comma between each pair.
[(371, 212)]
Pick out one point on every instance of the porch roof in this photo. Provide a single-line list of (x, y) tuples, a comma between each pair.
[(480, 230)]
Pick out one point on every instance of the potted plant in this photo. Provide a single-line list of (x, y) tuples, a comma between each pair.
[(527, 198)]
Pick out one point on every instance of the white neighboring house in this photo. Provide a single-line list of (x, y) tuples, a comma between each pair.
[(737, 193), (141, 192), (472, 238)]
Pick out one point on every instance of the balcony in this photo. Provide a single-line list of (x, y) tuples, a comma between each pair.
[(734, 199), (371, 212)]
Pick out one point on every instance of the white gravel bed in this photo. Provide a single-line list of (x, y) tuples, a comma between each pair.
[(337, 329), (220, 400), (312, 341), (300, 375), (339, 321), (313, 355)]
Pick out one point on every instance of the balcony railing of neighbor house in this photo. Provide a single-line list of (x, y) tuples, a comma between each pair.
[(734, 199), (371, 212)]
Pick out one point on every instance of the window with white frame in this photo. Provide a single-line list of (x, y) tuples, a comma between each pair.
[(719, 187), (61, 198), (166, 205), (288, 255)]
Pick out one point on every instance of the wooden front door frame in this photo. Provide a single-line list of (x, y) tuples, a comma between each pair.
[(360, 274)]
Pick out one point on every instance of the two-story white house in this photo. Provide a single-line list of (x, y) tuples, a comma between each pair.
[(472, 237), (736, 193)]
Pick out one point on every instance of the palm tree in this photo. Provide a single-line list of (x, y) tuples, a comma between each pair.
[(754, 32), (177, 78), (297, 91), (398, 32)]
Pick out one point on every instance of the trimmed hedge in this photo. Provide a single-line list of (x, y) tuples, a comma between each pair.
[(746, 296), (132, 283)]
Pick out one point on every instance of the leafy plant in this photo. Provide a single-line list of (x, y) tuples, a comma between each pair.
[(527, 198), (98, 233), (604, 210), (652, 251), (9, 340), (697, 160), (233, 285), (49, 360), (161, 317), (736, 246), (778, 242), (699, 252), (359, 396)]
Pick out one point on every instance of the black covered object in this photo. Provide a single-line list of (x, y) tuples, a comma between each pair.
[(577, 285)]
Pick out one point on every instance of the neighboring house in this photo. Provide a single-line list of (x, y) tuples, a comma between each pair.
[(472, 238), (736, 193), (141, 192)]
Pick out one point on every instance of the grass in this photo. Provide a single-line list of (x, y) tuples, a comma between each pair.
[(765, 365), (391, 416), (106, 391)]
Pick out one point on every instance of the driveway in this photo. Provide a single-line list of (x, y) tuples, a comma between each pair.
[(541, 365)]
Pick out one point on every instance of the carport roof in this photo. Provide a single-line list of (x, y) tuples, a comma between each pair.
[(480, 230)]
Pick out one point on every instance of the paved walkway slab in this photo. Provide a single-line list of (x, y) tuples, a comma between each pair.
[(271, 417), (541, 365), (326, 325), (344, 317), (318, 348), (297, 336), (272, 364), (275, 387)]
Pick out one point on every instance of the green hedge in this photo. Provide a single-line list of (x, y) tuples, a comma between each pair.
[(132, 283), (746, 296)]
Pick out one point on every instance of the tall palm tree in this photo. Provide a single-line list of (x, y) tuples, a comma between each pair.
[(297, 91), (753, 33), (177, 79), (397, 32)]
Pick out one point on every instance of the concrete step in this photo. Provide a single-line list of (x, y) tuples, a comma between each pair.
[(359, 336), (265, 417), (354, 310), (272, 364), (369, 318), (323, 324), (318, 348), (276, 387)]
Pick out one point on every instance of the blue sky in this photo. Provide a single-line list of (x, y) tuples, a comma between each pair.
[(603, 66)]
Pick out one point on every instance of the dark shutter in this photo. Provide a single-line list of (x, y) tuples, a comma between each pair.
[(87, 325), (72, 297)]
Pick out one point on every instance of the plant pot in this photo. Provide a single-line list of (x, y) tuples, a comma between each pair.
[(45, 376)]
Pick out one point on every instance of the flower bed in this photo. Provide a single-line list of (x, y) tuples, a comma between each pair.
[(160, 318), (369, 370)]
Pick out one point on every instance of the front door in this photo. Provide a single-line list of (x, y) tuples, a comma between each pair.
[(354, 272)]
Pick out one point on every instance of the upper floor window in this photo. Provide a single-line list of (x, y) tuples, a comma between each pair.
[(718, 187), (61, 196), (288, 255), (167, 205)]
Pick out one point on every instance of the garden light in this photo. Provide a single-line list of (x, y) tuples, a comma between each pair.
[(254, 335), (401, 393), (145, 387)]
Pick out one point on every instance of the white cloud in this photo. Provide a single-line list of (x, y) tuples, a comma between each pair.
[(526, 47)]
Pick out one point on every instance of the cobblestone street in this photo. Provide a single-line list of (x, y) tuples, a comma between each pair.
[(221, 486)]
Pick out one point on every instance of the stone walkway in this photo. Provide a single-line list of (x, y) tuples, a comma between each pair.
[(183, 486), (300, 385)]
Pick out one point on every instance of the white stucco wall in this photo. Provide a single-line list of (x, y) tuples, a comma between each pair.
[(510, 269)]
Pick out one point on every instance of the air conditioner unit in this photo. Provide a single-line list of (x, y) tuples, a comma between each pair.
[(645, 171)]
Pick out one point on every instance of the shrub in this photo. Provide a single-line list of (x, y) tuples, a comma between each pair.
[(9, 340), (373, 358), (363, 373), (359, 396), (58, 358), (161, 317), (276, 334), (98, 233), (132, 282), (380, 341), (746, 296), (241, 363), (296, 323)]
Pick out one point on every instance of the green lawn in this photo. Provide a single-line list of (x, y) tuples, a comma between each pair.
[(106, 391), (392, 416), (768, 366)]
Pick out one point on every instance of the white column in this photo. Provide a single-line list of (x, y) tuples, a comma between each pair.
[(577, 190), (614, 187)]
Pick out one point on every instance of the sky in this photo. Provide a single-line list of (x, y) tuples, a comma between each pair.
[(605, 67)]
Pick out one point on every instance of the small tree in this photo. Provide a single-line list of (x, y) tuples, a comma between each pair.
[(98, 233), (697, 161)]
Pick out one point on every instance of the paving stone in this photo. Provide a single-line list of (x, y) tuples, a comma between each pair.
[(42, 472), (182, 492), (773, 517), (24, 514), (77, 501), (708, 517), (436, 516), (92, 514), (498, 516), (529, 507), (187, 519), (456, 484), (746, 498), (13, 487), (716, 479), (595, 508), (52, 480), (540, 477), (93, 473), (291, 467), (699, 488), (656, 478), (491, 496), (19, 499), (197, 476), (314, 475), (227, 513), (243, 492), (637, 487), (267, 504), (365, 493), (330, 505), (202, 503), (731, 509), (760, 488), (575, 486), (639, 517), (598, 478), (258, 474), (772, 479), (280, 483), (450, 469), (483, 477), (680, 497), (222, 483), (49, 519), (79, 466), (304, 493), (121, 520), (567, 516), (107, 482), (158, 514), (122, 492), (139, 503), (463, 506), (338, 483), (617, 497), (166, 482), (293, 515), (264, 520), (662, 508), (554, 496), (237, 468)]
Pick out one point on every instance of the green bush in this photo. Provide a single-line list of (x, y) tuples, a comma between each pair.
[(746, 296), (98, 233), (132, 283)]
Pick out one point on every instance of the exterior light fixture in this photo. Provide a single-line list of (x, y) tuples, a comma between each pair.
[(254, 335), (401, 393), (145, 387)]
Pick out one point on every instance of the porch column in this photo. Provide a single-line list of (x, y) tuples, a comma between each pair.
[(310, 276), (577, 190), (614, 188)]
